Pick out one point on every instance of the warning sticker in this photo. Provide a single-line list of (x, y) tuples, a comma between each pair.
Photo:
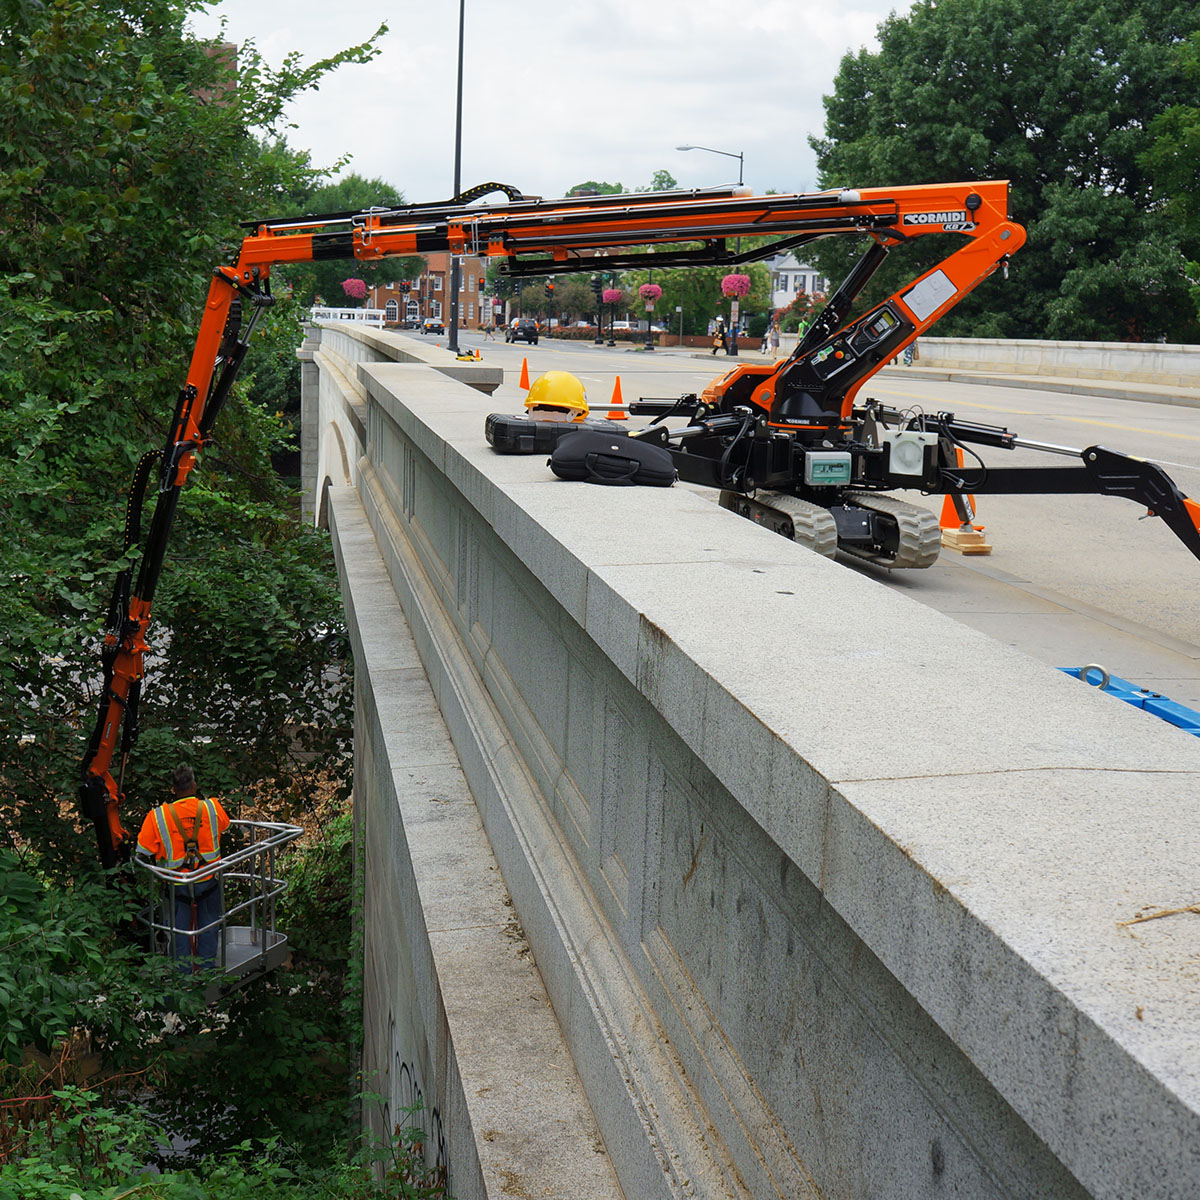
[(927, 296)]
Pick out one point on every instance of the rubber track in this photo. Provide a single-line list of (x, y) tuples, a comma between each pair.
[(803, 522), (920, 532)]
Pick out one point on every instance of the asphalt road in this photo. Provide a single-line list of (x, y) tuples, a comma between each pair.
[(1071, 579)]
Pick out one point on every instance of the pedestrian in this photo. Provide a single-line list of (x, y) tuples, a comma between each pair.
[(489, 331), (184, 835), (774, 339), (911, 354), (718, 342)]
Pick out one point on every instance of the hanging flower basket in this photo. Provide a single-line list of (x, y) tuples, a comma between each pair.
[(649, 292), (735, 285), (356, 289), (612, 295)]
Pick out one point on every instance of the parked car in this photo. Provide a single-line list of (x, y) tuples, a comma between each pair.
[(433, 325), (522, 330)]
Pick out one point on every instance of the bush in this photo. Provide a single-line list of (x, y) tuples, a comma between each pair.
[(756, 326), (66, 971), (589, 335), (86, 1150)]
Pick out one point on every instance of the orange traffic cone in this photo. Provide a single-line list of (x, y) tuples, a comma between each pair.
[(524, 384), (617, 414), (950, 513), (960, 535)]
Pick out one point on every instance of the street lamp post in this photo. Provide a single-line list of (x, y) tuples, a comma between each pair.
[(737, 251), (648, 297), (727, 153), (612, 304), (455, 268)]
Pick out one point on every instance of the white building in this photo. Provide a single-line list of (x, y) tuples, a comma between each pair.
[(789, 277)]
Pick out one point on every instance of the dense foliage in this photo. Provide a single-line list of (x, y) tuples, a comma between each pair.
[(1061, 99), (131, 153), (1172, 159), (324, 280), (129, 163), (102, 1051)]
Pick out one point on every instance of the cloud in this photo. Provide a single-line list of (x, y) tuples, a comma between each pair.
[(556, 93)]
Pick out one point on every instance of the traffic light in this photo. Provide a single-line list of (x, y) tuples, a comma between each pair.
[(549, 291), (598, 287)]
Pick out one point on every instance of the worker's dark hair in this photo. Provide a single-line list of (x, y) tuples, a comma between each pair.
[(183, 780)]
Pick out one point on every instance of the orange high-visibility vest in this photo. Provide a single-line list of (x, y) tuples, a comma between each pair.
[(169, 828)]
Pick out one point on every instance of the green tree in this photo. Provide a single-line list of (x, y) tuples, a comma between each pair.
[(591, 187), (573, 296), (698, 291), (533, 302), (798, 312), (131, 154), (1054, 97), (350, 193), (1173, 162), (660, 181)]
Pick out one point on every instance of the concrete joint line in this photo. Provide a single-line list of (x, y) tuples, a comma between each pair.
[(1050, 769)]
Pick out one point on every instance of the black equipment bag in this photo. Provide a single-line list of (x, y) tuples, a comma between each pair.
[(523, 435), (599, 457)]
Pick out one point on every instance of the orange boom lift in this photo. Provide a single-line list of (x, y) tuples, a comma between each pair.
[(787, 443)]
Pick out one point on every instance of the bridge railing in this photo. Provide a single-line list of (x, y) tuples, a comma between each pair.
[(365, 316)]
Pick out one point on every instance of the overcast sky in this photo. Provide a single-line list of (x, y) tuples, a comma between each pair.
[(556, 92)]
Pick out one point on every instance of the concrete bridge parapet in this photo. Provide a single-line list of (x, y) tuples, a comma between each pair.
[(1166, 365), (698, 865)]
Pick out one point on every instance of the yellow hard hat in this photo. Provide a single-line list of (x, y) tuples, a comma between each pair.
[(557, 391)]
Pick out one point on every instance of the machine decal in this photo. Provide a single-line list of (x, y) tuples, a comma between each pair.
[(929, 295), (958, 215)]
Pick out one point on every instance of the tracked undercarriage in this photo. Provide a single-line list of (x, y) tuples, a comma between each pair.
[(876, 528)]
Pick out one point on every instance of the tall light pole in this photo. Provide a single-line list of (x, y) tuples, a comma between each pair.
[(727, 153), (454, 265), (737, 246)]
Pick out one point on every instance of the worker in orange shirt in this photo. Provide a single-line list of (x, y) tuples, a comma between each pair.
[(185, 835)]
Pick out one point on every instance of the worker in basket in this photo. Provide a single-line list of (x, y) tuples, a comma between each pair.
[(185, 835)]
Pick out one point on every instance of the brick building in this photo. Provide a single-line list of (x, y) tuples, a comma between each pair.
[(429, 294)]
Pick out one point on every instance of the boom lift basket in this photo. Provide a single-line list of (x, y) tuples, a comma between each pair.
[(248, 944)]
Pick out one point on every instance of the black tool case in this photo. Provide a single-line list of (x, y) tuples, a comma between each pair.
[(522, 435)]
